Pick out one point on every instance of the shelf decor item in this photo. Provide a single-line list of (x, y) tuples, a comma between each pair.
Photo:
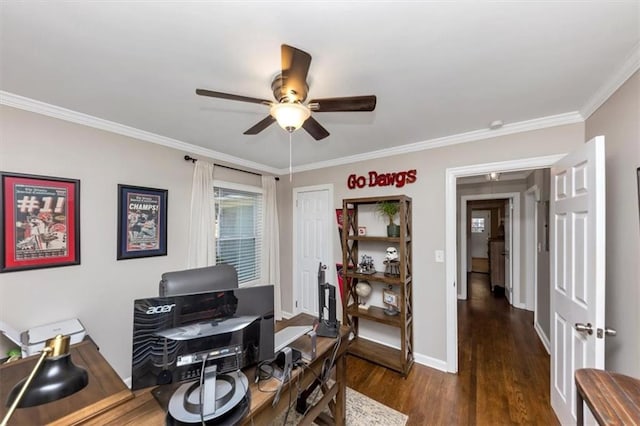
[(366, 265), (363, 290), (142, 222), (391, 301), (40, 222), (389, 209)]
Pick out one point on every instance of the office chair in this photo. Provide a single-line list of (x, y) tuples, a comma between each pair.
[(199, 280)]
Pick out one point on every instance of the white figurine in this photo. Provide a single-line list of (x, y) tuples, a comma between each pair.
[(392, 254)]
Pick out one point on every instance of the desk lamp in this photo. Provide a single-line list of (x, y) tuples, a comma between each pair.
[(53, 377)]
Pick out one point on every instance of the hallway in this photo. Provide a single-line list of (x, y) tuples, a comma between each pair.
[(503, 375)]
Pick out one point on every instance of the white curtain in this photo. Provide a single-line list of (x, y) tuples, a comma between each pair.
[(271, 245), (202, 238)]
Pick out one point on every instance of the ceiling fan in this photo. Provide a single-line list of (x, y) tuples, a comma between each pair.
[(290, 91)]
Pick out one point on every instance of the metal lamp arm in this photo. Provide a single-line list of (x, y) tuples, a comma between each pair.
[(45, 352)]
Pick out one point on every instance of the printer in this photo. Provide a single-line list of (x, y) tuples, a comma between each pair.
[(32, 340)]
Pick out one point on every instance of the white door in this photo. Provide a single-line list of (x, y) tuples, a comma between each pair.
[(480, 234), (577, 219), (508, 232), (312, 222)]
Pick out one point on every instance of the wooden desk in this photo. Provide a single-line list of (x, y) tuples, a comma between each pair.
[(144, 409), (104, 391), (614, 399)]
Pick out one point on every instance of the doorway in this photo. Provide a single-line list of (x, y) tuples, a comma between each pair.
[(512, 242), (451, 258), (480, 231)]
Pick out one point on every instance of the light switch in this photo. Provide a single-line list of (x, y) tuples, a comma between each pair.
[(440, 256)]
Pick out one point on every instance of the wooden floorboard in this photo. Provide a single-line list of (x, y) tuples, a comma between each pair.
[(503, 376)]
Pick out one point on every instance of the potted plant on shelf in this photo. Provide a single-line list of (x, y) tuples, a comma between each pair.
[(389, 209)]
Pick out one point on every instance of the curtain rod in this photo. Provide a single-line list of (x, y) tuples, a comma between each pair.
[(193, 160)]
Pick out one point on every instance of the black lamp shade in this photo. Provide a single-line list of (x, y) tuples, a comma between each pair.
[(58, 377)]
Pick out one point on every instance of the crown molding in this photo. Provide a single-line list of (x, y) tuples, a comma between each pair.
[(27, 104), (476, 135), (630, 65)]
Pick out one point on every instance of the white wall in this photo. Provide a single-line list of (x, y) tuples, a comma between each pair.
[(618, 119), (428, 195), (100, 291)]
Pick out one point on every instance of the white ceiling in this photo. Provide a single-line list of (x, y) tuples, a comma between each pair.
[(437, 68)]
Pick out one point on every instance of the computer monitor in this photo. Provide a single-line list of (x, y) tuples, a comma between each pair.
[(175, 336)]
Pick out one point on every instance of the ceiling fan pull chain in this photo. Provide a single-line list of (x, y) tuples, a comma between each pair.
[(290, 157)]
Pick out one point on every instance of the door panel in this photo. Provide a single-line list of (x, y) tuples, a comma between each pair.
[(313, 230), (577, 216)]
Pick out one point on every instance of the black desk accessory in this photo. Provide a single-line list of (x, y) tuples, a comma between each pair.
[(326, 327)]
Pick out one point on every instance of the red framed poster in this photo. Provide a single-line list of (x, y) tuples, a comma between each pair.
[(40, 219)]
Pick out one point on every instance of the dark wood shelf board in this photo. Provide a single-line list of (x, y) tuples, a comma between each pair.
[(377, 353), (377, 238), (377, 277), (375, 313)]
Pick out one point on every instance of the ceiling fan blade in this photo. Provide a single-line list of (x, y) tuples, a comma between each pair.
[(315, 129), (229, 96), (352, 103), (295, 67), (260, 126)]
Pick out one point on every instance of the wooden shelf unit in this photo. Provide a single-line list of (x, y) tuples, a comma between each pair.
[(401, 359)]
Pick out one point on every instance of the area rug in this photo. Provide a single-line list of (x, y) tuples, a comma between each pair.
[(361, 411)]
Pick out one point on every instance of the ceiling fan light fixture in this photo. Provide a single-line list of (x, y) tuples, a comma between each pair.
[(290, 116)]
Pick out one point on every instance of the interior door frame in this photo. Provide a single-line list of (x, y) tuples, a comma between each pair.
[(330, 262), (451, 226), (531, 200), (514, 252)]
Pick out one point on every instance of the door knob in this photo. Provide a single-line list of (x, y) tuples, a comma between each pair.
[(584, 328), (606, 332)]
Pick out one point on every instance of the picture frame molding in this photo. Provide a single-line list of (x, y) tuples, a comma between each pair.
[(130, 244), (58, 224)]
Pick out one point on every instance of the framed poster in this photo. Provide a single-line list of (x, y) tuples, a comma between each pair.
[(40, 222), (142, 222)]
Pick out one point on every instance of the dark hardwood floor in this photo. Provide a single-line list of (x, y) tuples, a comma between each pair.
[(503, 375)]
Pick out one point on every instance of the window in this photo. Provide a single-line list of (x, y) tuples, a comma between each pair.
[(238, 228), (477, 224)]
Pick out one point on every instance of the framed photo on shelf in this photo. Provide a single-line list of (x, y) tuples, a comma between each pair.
[(40, 222), (142, 222)]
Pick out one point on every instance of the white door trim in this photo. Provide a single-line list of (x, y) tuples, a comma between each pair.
[(330, 261), (514, 252), (531, 199), (451, 225)]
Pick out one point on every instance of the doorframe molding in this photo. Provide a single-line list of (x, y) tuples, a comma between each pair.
[(294, 246), (531, 200), (451, 260), (514, 255)]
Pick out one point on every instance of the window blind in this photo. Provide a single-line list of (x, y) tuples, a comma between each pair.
[(238, 231)]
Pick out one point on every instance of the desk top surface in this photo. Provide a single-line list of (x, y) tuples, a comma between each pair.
[(145, 409), (613, 398)]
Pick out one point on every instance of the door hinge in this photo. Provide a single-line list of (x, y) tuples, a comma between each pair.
[(296, 303)]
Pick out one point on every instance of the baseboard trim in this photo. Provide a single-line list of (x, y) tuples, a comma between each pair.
[(431, 362), (543, 338), (287, 315)]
